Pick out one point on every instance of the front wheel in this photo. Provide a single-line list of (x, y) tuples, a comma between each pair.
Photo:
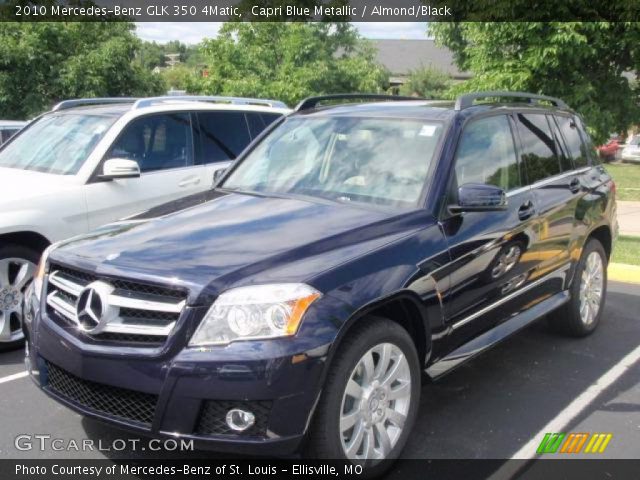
[(17, 266), (581, 315), (370, 398)]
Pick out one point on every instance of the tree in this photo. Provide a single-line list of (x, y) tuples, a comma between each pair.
[(580, 62), (44, 62), (289, 61), (151, 55), (180, 77), (426, 82)]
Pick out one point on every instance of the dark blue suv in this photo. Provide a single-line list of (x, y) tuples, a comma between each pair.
[(349, 249)]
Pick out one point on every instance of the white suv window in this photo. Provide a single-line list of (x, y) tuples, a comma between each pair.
[(156, 142), (57, 144)]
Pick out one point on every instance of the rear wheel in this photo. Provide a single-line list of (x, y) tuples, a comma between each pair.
[(370, 398), (581, 315), (17, 266)]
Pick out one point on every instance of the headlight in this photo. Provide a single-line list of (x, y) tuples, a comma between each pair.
[(255, 312), (41, 271)]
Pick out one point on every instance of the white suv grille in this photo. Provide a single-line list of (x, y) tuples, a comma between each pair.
[(120, 311)]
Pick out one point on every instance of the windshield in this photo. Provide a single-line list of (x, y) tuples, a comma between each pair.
[(57, 144), (379, 161), (635, 140)]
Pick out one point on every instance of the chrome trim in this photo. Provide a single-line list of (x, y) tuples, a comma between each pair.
[(509, 297), (142, 302), (65, 285), (66, 309), (546, 181), (139, 304)]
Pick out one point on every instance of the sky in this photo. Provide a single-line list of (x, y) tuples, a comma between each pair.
[(192, 32)]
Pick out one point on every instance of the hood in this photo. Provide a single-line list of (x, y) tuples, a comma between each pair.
[(232, 238), (17, 185)]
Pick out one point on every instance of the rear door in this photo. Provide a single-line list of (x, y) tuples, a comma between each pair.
[(162, 144), (487, 249), (556, 187)]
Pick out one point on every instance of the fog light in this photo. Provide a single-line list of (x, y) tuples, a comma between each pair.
[(240, 420)]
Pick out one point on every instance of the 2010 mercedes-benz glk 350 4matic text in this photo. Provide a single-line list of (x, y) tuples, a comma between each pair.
[(350, 248)]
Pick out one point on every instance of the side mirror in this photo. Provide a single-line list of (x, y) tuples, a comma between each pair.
[(115, 168), (217, 175), (478, 197)]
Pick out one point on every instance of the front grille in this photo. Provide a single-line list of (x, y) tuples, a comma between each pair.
[(143, 315), (137, 407), (212, 420)]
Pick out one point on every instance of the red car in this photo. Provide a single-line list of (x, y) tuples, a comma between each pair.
[(609, 150)]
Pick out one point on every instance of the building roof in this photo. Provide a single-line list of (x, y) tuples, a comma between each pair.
[(400, 57)]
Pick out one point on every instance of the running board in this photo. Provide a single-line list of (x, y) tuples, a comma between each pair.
[(495, 335)]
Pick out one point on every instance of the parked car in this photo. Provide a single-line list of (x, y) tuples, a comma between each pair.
[(92, 161), (350, 249), (609, 151), (8, 128), (631, 151)]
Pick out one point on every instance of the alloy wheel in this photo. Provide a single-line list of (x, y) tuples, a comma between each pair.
[(591, 288), (375, 403), (15, 276)]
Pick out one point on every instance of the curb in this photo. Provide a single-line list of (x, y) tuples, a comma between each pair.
[(620, 272)]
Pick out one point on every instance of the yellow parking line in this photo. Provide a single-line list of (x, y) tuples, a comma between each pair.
[(621, 272)]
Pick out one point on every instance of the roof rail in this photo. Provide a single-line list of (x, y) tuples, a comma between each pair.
[(466, 101), (148, 102), (80, 102), (312, 102)]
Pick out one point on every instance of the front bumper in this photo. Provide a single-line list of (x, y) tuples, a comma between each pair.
[(183, 392)]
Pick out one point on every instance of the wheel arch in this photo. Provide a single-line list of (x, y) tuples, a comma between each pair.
[(26, 238), (404, 308), (604, 236)]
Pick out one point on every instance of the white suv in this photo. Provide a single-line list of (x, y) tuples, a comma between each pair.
[(89, 162)]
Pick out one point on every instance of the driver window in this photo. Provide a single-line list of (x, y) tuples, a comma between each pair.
[(486, 154), (156, 142)]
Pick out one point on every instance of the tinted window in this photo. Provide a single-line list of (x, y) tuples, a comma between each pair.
[(156, 142), (223, 135), (563, 155), (572, 139), (538, 147), (6, 134), (259, 121), (486, 154)]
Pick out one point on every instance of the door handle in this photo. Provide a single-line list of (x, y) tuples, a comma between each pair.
[(189, 181), (575, 185), (526, 210)]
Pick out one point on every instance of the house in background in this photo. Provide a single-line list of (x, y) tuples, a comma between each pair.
[(401, 57)]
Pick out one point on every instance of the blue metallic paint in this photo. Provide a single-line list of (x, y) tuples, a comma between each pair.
[(430, 264)]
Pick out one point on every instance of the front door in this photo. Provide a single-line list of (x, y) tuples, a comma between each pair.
[(162, 144), (488, 267)]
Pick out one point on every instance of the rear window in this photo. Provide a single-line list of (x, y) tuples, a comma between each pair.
[(573, 141), (223, 135), (538, 154)]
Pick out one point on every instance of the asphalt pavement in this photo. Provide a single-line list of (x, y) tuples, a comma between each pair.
[(490, 408)]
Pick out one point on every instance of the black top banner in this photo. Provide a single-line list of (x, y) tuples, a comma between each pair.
[(318, 10)]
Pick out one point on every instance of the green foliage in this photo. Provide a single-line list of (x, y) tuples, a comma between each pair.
[(580, 62), (42, 63), (426, 82), (289, 61), (181, 77)]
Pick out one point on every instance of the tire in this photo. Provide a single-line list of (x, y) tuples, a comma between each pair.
[(580, 317), (17, 264), (378, 338)]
